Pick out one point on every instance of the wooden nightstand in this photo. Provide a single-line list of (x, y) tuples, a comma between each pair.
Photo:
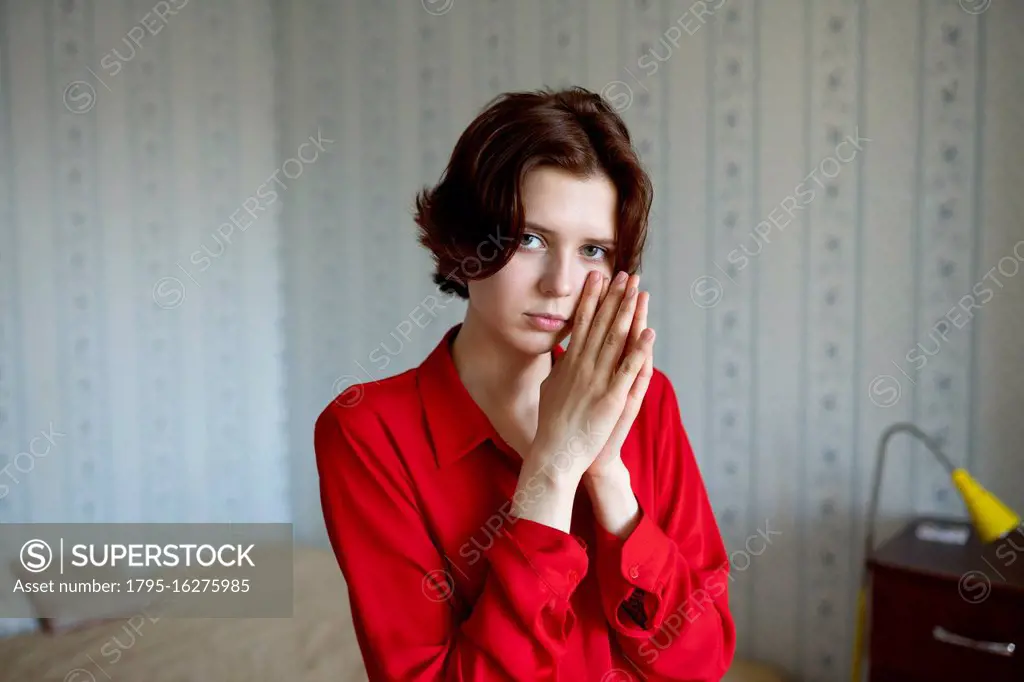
[(947, 613)]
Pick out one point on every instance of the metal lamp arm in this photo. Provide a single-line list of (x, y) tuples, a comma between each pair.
[(883, 444)]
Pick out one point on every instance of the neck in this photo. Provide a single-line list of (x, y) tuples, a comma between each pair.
[(494, 372)]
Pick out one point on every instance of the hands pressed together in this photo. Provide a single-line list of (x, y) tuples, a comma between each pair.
[(588, 404)]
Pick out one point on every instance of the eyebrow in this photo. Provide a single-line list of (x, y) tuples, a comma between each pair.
[(607, 243)]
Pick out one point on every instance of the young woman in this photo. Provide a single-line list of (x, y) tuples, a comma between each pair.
[(509, 509)]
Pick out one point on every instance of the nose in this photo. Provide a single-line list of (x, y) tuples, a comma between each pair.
[(557, 278)]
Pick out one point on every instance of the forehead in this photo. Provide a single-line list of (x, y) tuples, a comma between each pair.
[(569, 205)]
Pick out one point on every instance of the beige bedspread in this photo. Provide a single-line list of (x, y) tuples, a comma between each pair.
[(316, 645)]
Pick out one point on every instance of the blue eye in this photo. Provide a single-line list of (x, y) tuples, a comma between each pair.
[(526, 237), (601, 252)]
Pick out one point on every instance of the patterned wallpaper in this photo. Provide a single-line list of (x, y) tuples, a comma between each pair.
[(833, 178), (141, 372)]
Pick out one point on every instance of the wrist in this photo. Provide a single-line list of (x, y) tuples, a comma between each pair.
[(557, 470), (615, 505), (545, 495), (613, 476), (555, 481)]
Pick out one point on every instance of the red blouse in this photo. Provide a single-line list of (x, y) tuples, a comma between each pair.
[(416, 487)]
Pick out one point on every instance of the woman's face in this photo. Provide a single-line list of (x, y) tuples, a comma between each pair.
[(570, 230)]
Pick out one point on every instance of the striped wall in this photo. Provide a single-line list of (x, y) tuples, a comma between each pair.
[(832, 178)]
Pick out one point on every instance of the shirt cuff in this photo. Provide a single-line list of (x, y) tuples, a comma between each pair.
[(555, 559), (632, 575)]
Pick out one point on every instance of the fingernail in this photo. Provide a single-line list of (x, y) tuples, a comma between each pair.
[(620, 278)]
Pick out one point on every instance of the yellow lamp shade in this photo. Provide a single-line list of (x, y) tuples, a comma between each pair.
[(991, 518)]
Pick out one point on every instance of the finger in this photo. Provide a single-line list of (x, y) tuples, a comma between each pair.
[(606, 283), (639, 387), (639, 319), (635, 398), (618, 333), (634, 401), (640, 324), (630, 368), (604, 318), (643, 379), (593, 285)]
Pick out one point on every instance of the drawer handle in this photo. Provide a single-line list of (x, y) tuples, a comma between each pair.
[(997, 648)]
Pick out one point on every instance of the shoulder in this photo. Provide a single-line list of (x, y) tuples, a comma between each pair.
[(360, 441), (661, 394), (663, 440), (660, 418), (361, 448), (362, 415)]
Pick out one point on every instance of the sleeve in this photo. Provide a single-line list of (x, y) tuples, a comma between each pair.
[(664, 588), (400, 590)]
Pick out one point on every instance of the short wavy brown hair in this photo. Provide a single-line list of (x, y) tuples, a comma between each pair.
[(472, 221)]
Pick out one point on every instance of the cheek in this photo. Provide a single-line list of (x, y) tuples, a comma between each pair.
[(516, 277), (504, 288)]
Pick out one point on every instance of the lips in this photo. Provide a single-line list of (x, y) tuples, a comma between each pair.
[(546, 323)]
